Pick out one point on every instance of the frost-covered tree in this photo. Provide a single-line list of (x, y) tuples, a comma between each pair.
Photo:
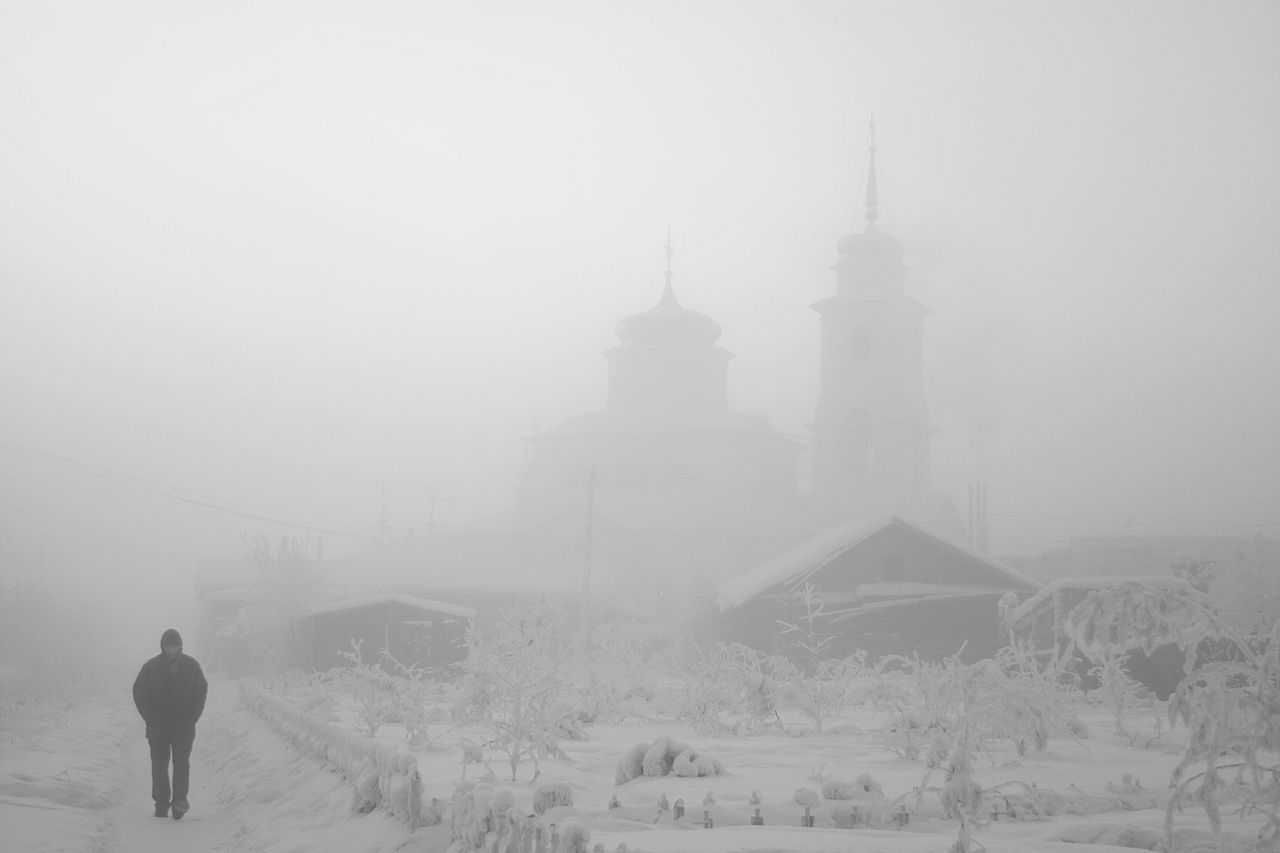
[(286, 583), (612, 677), (514, 683), (1232, 713), (1194, 567)]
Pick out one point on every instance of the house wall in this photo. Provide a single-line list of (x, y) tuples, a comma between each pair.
[(412, 636), (895, 554), (934, 630)]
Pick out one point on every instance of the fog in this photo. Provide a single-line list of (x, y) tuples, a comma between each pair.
[(266, 263)]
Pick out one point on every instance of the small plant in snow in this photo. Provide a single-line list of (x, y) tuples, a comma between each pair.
[(370, 687), (411, 703), (812, 682), (1118, 688)]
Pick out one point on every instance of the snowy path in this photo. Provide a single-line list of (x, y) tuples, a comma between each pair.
[(80, 782), (136, 829)]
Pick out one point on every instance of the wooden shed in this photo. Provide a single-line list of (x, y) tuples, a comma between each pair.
[(415, 631), (882, 584)]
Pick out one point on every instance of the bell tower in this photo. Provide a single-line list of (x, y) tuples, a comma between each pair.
[(871, 429)]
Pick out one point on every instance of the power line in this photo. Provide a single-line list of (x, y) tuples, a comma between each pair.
[(169, 492)]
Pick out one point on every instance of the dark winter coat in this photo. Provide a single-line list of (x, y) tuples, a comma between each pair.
[(170, 696)]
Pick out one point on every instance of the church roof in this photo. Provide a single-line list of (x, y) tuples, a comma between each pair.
[(822, 549), (668, 322)]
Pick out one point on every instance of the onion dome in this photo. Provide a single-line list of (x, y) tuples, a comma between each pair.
[(668, 322)]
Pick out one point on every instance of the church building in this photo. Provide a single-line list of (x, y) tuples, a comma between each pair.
[(662, 498)]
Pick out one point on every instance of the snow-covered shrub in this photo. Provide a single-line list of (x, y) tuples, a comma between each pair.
[(864, 785), (728, 688), (550, 795), (930, 704), (514, 683), (807, 797), (611, 677), (662, 757), (367, 795), (962, 797), (631, 765), (482, 818), (573, 836)]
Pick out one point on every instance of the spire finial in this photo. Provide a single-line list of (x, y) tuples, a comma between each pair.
[(668, 292), (873, 195)]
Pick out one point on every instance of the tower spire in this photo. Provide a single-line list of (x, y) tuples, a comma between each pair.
[(873, 196), (668, 292)]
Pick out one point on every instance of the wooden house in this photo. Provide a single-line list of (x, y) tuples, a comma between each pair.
[(881, 584), (415, 631)]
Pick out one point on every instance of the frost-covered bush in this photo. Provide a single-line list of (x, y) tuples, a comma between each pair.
[(729, 688), (931, 703), (864, 785), (611, 678), (550, 795)]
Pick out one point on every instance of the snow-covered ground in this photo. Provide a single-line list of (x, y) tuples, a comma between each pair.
[(78, 781)]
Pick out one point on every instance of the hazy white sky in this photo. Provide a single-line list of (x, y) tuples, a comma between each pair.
[(271, 255)]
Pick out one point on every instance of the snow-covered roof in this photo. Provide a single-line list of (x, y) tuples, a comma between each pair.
[(1089, 584), (821, 549), (381, 598)]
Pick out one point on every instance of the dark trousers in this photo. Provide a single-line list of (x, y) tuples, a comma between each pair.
[(161, 748)]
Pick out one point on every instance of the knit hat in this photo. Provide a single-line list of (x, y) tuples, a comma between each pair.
[(170, 638)]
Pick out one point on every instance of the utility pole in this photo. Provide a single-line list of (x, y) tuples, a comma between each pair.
[(978, 529), (382, 515), (586, 561), (431, 512)]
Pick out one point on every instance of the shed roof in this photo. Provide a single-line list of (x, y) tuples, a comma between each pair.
[(821, 549), (381, 598)]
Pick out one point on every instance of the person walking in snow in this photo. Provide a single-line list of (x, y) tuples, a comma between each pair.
[(170, 692)]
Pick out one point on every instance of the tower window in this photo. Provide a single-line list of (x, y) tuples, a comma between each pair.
[(681, 475), (860, 344)]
